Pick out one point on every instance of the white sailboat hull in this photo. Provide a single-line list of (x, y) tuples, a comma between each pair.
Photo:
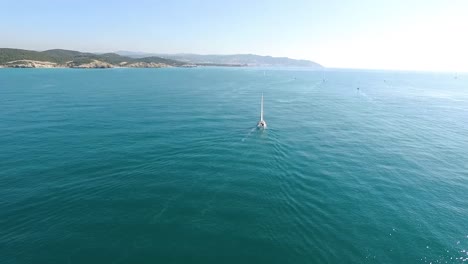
[(262, 124)]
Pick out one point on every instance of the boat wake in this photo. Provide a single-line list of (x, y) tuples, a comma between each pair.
[(249, 133)]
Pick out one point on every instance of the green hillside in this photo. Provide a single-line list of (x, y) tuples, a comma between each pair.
[(63, 56), (7, 55)]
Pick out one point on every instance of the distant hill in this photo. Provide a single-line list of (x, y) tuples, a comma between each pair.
[(135, 54), (243, 59)]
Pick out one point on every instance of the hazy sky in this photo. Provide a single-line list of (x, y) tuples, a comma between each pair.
[(393, 34)]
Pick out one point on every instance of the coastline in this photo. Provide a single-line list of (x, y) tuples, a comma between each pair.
[(96, 64)]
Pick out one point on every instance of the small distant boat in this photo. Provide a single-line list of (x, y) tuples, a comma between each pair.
[(261, 124)]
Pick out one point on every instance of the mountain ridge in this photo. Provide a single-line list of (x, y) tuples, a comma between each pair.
[(247, 59)]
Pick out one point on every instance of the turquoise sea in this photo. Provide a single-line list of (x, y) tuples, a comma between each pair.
[(166, 166)]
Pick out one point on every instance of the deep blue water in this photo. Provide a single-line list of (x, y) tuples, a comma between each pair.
[(166, 166)]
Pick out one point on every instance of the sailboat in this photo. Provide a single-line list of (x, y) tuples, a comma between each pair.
[(261, 124)]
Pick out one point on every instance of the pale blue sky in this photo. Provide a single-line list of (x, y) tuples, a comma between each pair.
[(398, 34)]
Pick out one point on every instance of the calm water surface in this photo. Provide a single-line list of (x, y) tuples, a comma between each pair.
[(165, 166)]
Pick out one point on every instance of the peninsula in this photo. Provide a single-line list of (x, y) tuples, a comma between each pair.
[(59, 58)]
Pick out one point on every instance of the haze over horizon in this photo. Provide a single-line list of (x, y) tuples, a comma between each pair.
[(415, 35)]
